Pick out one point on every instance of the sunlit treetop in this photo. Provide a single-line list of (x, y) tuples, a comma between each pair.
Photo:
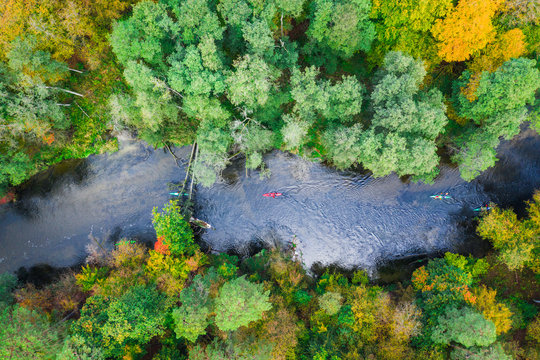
[(144, 34), (406, 26), (466, 29), (343, 26)]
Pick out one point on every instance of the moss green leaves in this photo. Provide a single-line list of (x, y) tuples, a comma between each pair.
[(464, 326), (497, 108), (406, 121), (251, 82), (192, 317), (239, 303), (343, 26), (144, 34)]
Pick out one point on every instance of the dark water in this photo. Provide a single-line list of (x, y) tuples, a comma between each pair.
[(345, 218)]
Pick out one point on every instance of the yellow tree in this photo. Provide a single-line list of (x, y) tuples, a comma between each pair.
[(508, 45), (64, 28), (492, 310), (466, 30), (405, 25), (518, 241)]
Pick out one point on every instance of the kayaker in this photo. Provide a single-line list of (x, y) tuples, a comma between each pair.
[(272, 194)]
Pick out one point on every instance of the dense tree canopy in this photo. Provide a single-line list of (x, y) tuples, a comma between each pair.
[(406, 121), (497, 109), (465, 327), (466, 29), (239, 303), (386, 85), (249, 76), (516, 240), (343, 26), (406, 26), (78, 28)]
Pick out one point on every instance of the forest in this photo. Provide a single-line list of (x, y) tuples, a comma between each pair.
[(385, 87), (176, 301)]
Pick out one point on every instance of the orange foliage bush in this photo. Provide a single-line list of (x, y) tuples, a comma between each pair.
[(161, 247), (196, 261), (48, 138)]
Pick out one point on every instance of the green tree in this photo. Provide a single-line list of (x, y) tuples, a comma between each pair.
[(152, 96), (506, 91), (192, 317), (189, 73), (343, 145), (34, 111), (26, 334), (26, 60), (292, 8), (144, 35), (15, 167), (253, 140), (239, 303), (29, 105), (251, 82), (493, 352), (8, 282), (316, 98), (120, 326), (76, 348), (497, 109), (237, 13), (258, 36), (196, 19), (294, 131), (405, 123), (443, 283), (171, 225), (232, 349), (343, 26), (330, 302), (463, 326), (475, 152)]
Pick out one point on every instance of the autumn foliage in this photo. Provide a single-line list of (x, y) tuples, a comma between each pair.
[(161, 247), (467, 29)]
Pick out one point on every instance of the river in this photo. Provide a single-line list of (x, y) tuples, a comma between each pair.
[(345, 218)]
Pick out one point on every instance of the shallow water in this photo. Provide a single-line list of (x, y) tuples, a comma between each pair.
[(345, 218)]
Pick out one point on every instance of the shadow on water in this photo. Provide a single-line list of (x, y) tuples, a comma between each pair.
[(345, 218)]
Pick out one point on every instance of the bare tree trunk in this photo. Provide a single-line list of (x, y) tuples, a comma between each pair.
[(282, 24), (64, 90), (77, 71), (84, 112)]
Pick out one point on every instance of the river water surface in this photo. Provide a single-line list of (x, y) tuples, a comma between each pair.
[(344, 218)]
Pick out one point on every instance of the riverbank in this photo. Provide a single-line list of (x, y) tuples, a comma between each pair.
[(344, 218), (176, 302)]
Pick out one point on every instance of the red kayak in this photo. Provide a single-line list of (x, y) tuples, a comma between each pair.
[(272, 195)]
